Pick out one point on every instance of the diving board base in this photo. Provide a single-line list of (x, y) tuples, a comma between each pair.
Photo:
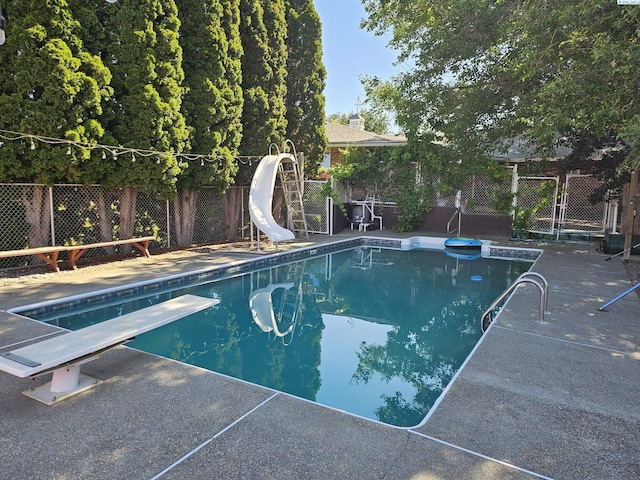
[(45, 394)]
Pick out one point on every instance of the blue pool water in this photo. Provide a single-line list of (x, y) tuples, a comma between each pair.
[(378, 333)]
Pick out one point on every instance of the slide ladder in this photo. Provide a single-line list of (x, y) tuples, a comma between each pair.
[(292, 299), (289, 172)]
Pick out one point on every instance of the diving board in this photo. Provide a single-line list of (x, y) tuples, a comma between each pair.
[(63, 355)]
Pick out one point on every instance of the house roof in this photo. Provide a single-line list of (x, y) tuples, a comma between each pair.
[(341, 136)]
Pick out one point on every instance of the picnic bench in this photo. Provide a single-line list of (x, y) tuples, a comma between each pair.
[(64, 354), (74, 252)]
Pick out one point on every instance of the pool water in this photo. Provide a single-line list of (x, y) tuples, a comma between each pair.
[(377, 333)]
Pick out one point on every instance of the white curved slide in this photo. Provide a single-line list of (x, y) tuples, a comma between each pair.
[(261, 198)]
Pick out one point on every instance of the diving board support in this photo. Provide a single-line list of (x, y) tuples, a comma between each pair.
[(64, 354)]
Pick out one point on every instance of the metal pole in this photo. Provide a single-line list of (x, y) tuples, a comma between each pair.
[(622, 252), (619, 297), (168, 225), (243, 228), (53, 226)]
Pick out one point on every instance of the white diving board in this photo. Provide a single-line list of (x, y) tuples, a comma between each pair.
[(63, 355)]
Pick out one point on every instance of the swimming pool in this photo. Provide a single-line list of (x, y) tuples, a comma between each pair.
[(377, 332)]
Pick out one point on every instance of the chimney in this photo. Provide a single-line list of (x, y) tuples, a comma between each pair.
[(356, 121)]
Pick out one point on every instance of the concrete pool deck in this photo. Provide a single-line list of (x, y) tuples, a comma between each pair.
[(560, 400)]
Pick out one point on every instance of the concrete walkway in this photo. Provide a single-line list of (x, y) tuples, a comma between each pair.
[(535, 401)]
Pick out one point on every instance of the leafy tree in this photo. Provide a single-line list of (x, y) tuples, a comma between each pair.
[(50, 87), (339, 118), (262, 30), (375, 120), (411, 175), (305, 83), (486, 71), (210, 40)]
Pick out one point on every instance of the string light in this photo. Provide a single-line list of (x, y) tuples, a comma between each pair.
[(119, 150)]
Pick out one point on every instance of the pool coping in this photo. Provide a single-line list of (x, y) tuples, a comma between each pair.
[(241, 266)]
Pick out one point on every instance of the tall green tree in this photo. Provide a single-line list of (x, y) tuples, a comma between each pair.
[(375, 120), (486, 71), (50, 86), (145, 58), (306, 77), (212, 106), (263, 31)]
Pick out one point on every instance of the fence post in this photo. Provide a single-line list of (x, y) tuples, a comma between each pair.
[(330, 214), (168, 225), (631, 211), (242, 227), (514, 190), (53, 226)]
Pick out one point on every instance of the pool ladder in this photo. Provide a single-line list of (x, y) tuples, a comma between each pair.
[(539, 282)]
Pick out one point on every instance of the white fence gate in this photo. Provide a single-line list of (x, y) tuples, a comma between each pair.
[(577, 213), (560, 206)]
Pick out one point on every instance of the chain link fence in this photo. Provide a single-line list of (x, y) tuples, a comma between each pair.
[(482, 196), (316, 207), (536, 204), (36, 215), (555, 205), (578, 212)]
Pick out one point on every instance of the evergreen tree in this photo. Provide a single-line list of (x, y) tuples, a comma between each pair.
[(263, 31), (305, 83), (210, 39), (145, 59), (275, 21), (209, 36), (50, 86)]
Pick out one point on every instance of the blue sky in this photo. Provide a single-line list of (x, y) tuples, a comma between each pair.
[(349, 52)]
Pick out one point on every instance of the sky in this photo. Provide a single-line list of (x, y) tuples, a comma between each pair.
[(350, 52)]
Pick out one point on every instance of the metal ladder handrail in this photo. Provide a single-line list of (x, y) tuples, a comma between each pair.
[(545, 284), (524, 278)]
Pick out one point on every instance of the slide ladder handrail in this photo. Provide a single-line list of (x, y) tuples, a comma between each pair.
[(542, 285), (458, 213), (289, 172)]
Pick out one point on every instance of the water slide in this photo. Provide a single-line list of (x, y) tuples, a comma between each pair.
[(261, 306), (261, 198)]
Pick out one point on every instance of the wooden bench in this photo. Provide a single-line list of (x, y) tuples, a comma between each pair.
[(63, 355), (74, 252)]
